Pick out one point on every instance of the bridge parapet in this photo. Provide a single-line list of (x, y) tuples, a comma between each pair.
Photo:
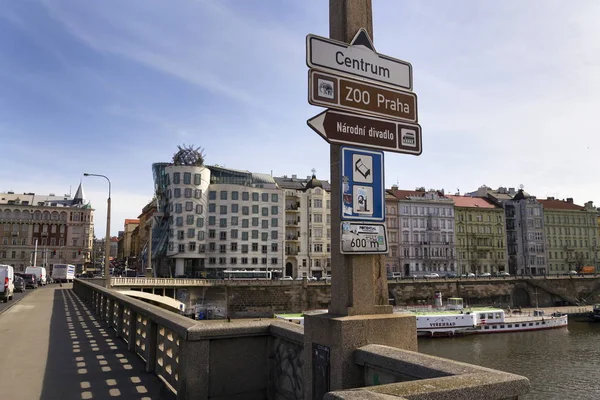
[(200, 359)]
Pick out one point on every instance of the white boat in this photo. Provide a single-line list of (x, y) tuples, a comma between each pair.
[(454, 319)]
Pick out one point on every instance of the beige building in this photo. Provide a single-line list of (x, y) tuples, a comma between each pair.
[(307, 226), (61, 226), (571, 234), (480, 235), (129, 240)]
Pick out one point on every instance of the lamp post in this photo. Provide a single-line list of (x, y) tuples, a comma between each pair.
[(107, 244)]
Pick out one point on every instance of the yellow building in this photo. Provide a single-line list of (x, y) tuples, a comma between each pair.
[(480, 235), (571, 234)]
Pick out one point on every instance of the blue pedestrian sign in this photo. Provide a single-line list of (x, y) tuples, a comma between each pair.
[(363, 187)]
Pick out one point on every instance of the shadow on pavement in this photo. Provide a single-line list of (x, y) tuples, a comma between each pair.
[(86, 361)]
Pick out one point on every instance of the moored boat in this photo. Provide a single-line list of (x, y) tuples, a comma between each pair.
[(594, 315)]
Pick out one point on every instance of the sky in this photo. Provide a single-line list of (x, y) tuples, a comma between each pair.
[(507, 93)]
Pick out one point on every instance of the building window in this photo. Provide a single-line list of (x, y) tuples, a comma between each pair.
[(178, 208), (234, 208), (189, 206), (255, 260), (176, 177), (254, 196), (264, 249), (197, 179), (192, 246), (200, 222), (274, 197), (234, 246), (318, 203), (244, 260), (180, 235), (244, 248), (245, 236), (177, 193), (274, 235), (181, 248), (254, 246), (265, 224), (233, 260), (188, 193), (212, 195), (223, 222), (255, 209), (234, 195), (179, 221), (234, 221), (223, 248), (212, 220), (222, 260), (223, 235), (187, 178), (274, 247), (212, 207), (234, 233), (223, 210), (199, 209), (211, 246), (197, 193), (190, 220), (200, 235), (245, 223), (191, 233), (212, 233), (264, 236), (245, 196)]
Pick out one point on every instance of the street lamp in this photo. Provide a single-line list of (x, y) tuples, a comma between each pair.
[(107, 244)]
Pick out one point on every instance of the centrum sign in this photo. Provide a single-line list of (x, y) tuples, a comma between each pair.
[(357, 58), (328, 90), (346, 128)]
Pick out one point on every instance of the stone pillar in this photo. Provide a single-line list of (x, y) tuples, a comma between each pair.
[(359, 313)]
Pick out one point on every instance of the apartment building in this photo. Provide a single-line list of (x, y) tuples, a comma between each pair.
[(571, 234), (307, 226), (212, 218), (525, 235), (61, 226), (480, 235), (426, 236)]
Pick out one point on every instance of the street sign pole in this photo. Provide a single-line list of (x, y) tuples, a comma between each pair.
[(358, 282)]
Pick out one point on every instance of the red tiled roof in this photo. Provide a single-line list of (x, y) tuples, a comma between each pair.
[(132, 221), (560, 205), (466, 201)]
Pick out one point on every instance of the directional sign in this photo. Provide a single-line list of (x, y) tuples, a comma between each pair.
[(363, 238), (375, 133), (358, 59), (363, 188), (329, 90)]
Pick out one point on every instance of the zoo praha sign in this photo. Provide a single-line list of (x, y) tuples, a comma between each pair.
[(327, 90)]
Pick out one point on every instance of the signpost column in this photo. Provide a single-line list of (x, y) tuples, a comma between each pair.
[(359, 312)]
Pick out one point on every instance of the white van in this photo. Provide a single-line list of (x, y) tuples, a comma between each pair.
[(40, 274), (7, 282)]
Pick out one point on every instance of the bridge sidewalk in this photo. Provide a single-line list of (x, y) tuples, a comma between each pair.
[(53, 347)]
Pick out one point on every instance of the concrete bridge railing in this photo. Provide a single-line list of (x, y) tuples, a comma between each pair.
[(263, 359)]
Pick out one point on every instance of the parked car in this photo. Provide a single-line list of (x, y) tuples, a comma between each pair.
[(30, 280), (503, 273), (485, 275), (287, 278), (20, 284), (432, 275), (451, 275), (572, 273)]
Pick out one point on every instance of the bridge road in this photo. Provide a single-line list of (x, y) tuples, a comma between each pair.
[(52, 347)]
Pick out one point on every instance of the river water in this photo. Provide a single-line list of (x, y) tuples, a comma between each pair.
[(560, 363)]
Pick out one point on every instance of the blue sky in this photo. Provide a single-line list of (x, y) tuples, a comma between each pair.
[(508, 92)]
